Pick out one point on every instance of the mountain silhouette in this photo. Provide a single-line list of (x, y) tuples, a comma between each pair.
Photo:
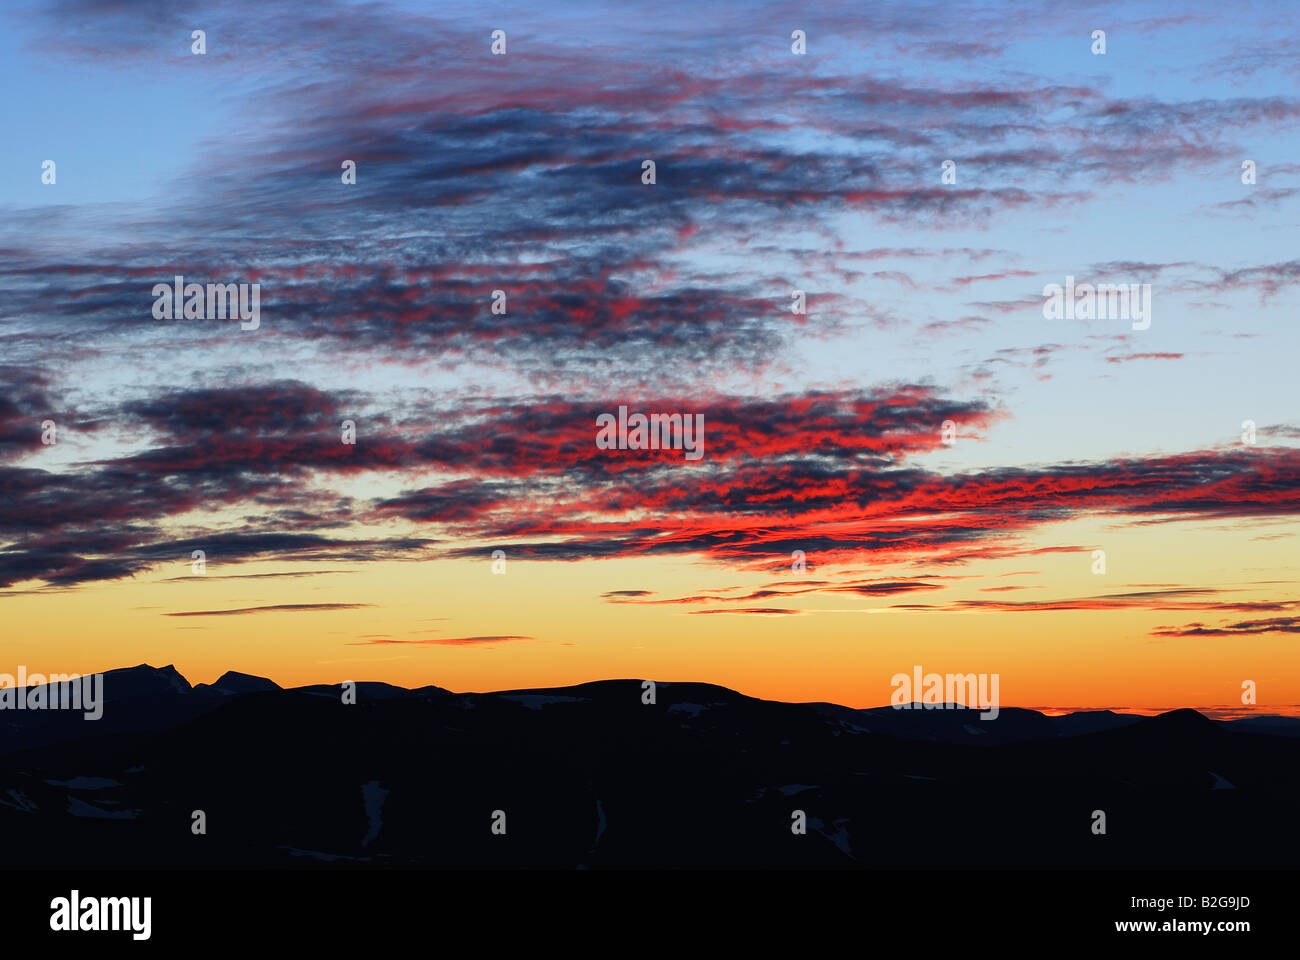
[(234, 682), (590, 775)]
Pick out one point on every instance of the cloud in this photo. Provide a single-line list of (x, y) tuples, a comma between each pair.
[(444, 641), (1178, 598), (274, 608), (1242, 628), (832, 473), (756, 611), (287, 575), (1126, 358)]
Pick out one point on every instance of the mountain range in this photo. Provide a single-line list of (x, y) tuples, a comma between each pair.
[(592, 776)]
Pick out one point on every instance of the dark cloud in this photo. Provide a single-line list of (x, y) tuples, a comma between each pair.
[(273, 608), (1244, 628), (756, 611)]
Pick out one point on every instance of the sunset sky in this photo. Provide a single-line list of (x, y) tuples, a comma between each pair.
[(476, 431)]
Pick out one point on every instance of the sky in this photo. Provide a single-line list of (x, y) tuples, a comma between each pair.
[(833, 534)]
